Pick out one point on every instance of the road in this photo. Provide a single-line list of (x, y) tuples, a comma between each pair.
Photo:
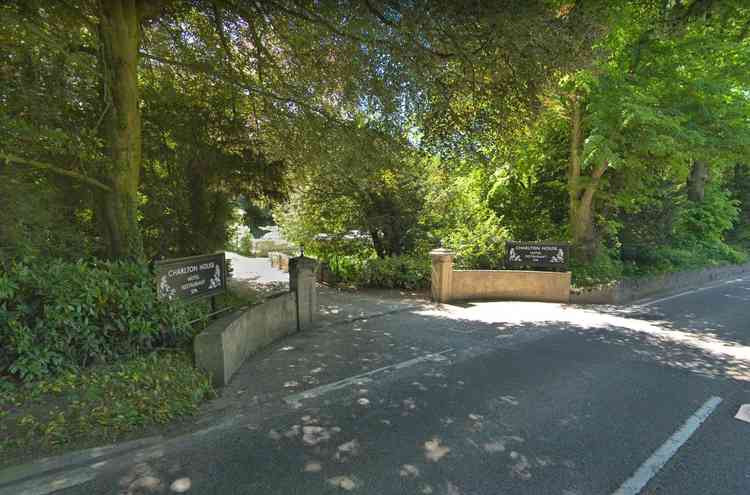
[(486, 398), (257, 270)]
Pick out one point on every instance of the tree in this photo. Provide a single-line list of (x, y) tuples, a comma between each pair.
[(357, 178), (275, 84), (653, 100), (111, 31)]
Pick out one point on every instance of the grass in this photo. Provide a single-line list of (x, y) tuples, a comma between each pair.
[(98, 405)]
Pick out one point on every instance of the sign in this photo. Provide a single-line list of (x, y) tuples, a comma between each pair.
[(191, 277), (537, 255)]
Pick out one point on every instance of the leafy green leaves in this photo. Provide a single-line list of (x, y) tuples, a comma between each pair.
[(58, 316), (100, 404)]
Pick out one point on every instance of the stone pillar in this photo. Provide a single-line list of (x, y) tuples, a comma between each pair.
[(442, 274), (302, 283)]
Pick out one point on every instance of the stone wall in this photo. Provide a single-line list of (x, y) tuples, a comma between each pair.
[(222, 347), (521, 285), (629, 290)]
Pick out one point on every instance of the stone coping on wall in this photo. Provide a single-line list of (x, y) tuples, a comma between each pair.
[(222, 347)]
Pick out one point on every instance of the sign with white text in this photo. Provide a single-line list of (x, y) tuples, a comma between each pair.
[(191, 277), (537, 255)]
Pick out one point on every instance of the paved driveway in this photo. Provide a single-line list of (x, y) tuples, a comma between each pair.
[(488, 398)]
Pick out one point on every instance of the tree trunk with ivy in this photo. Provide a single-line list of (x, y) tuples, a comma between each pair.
[(581, 189), (119, 36)]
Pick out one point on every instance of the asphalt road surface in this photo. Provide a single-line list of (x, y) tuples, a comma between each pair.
[(490, 398)]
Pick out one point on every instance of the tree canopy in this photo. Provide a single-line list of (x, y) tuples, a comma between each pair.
[(138, 126)]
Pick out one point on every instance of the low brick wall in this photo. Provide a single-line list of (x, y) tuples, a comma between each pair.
[(629, 290), (283, 262), (518, 285), (222, 348), (279, 261), (457, 285)]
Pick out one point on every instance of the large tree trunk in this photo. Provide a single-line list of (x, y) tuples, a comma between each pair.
[(582, 226), (581, 192), (696, 183), (119, 34)]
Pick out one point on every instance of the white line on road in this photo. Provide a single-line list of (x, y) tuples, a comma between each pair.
[(691, 291), (363, 377), (661, 456)]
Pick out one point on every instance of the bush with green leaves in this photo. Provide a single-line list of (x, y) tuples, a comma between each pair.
[(395, 272), (57, 315), (479, 248), (99, 404), (604, 268)]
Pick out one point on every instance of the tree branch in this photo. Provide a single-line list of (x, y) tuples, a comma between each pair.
[(597, 173), (382, 18), (205, 68), (9, 157)]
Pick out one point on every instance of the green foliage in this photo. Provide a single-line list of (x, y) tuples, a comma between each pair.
[(479, 247), (529, 193), (666, 259), (57, 315), (707, 221), (604, 268), (738, 184), (395, 272), (358, 178), (245, 245), (457, 215), (392, 272), (372, 119), (101, 403)]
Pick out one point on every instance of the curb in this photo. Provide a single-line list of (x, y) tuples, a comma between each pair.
[(25, 472)]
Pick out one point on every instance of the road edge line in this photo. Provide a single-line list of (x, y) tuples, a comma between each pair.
[(362, 377), (662, 455), (649, 302)]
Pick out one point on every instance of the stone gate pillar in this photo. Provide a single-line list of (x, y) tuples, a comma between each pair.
[(442, 274), (302, 283)]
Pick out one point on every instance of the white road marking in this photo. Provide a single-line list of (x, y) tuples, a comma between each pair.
[(363, 377), (743, 414), (691, 291), (663, 454)]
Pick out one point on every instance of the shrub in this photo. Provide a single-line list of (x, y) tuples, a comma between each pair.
[(480, 247), (396, 272), (59, 315), (101, 403), (604, 268)]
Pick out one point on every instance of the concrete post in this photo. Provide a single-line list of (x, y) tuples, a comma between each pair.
[(442, 274), (302, 283)]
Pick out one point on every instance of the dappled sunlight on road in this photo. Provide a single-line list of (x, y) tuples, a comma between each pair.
[(634, 321)]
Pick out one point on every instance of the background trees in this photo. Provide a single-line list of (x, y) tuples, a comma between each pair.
[(137, 127)]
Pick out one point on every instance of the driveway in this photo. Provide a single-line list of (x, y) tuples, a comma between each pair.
[(482, 398)]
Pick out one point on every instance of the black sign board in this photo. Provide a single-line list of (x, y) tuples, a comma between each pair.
[(192, 277), (537, 255)]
